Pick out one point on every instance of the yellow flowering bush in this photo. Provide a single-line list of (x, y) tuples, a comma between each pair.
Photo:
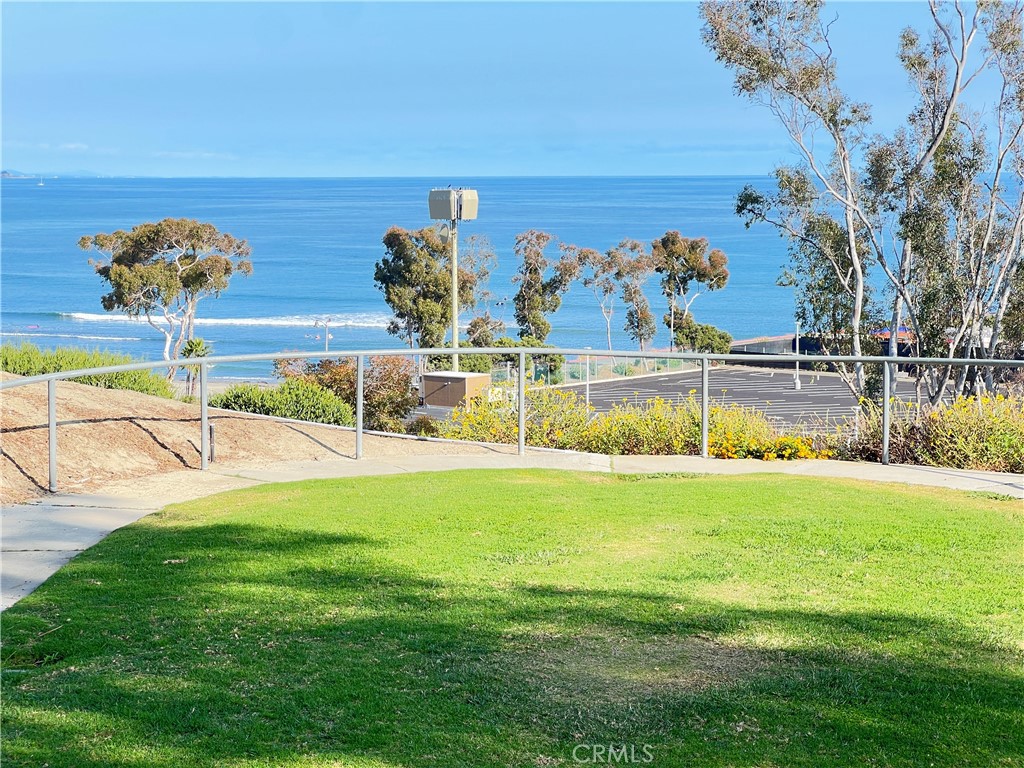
[(656, 427), (554, 418), (970, 433), (560, 419), (975, 433), (736, 432)]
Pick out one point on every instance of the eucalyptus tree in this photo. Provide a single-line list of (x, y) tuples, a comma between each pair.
[(937, 207), (415, 278), (636, 265), (685, 263), (484, 329), (542, 282), (1012, 337), (640, 324), (598, 273), (618, 273), (161, 271)]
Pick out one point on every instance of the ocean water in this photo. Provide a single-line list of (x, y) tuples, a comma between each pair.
[(315, 241)]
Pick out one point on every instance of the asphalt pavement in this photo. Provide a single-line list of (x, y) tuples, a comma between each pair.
[(823, 398)]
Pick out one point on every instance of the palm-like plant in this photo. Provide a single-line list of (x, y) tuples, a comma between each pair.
[(194, 347)]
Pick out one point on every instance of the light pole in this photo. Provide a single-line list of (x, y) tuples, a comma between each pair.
[(326, 323), (453, 206), (796, 375), (588, 377)]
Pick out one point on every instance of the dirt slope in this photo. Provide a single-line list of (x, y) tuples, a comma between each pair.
[(106, 435)]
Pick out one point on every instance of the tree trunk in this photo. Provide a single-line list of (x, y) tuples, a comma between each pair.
[(672, 324), (858, 301)]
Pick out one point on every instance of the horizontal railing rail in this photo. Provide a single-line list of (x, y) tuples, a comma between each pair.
[(522, 353), (508, 352)]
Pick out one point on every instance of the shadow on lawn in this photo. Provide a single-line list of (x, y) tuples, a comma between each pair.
[(227, 643)]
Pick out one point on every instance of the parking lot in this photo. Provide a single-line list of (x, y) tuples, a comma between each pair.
[(822, 397)]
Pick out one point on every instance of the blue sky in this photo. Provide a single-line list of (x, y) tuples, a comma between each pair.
[(400, 89)]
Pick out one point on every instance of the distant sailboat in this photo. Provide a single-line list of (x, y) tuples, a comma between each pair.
[(40, 184)]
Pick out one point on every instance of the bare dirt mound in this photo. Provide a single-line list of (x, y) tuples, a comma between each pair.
[(107, 435)]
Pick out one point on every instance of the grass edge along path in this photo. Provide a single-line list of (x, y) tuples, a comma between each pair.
[(505, 618)]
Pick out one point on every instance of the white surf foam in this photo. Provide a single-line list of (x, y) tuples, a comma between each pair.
[(75, 336), (353, 320)]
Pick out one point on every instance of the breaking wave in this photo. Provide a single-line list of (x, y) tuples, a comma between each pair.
[(74, 336), (352, 320)]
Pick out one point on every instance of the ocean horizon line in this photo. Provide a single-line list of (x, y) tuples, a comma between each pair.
[(23, 176)]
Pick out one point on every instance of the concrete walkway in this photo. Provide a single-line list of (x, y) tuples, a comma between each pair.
[(41, 536)]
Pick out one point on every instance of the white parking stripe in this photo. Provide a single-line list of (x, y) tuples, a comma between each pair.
[(822, 398)]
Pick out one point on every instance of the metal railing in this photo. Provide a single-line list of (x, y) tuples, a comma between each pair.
[(704, 359)]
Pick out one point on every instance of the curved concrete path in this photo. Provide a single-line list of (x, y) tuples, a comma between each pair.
[(39, 537)]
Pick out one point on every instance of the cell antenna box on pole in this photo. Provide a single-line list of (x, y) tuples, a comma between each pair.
[(468, 202), (443, 204), (453, 204)]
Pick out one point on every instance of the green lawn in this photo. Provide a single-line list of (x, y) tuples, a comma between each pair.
[(505, 618)]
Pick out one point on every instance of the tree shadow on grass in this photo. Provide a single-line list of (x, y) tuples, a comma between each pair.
[(222, 644)]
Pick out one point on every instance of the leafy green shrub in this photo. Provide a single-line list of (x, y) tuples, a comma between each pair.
[(469, 362), (28, 360), (701, 337), (472, 363), (388, 394), (552, 363), (308, 401), (292, 399), (624, 369), (245, 397)]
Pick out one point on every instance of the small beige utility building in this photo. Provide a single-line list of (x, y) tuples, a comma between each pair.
[(452, 388)]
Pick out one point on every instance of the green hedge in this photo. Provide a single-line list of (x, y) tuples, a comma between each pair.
[(29, 360), (292, 399)]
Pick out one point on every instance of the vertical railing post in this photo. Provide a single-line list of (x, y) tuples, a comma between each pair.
[(588, 380), (51, 421), (204, 418), (704, 364), (886, 412), (521, 398), (359, 407)]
